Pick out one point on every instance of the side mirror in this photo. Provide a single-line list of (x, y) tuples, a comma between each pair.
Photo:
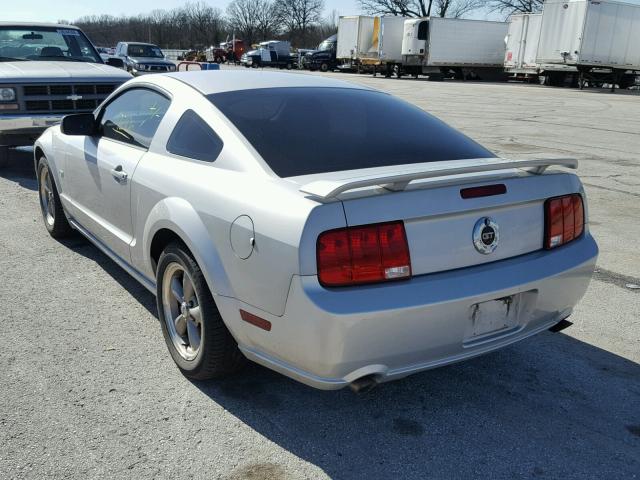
[(79, 124), (115, 62)]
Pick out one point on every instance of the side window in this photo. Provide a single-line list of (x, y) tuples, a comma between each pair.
[(134, 116), (193, 138)]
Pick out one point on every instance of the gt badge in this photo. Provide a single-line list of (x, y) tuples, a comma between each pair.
[(485, 235)]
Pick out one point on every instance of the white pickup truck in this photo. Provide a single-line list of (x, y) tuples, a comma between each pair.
[(46, 72)]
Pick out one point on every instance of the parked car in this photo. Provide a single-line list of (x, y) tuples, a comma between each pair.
[(388, 245), (46, 72), (143, 58)]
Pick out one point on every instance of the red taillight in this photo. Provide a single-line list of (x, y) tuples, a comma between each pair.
[(564, 220), (366, 254)]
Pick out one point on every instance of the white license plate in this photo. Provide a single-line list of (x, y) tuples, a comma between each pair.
[(494, 315)]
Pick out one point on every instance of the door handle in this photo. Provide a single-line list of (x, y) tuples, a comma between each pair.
[(119, 174)]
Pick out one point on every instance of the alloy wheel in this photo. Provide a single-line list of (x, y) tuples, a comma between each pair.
[(47, 198), (182, 313)]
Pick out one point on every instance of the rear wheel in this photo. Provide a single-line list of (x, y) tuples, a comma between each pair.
[(52, 213), (197, 338)]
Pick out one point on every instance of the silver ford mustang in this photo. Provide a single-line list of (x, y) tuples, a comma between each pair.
[(328, 231)]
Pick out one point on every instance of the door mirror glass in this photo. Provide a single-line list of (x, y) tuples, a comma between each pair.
[(115, 62), (79, 124)]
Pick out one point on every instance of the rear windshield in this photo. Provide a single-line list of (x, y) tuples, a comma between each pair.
[(301, 131)]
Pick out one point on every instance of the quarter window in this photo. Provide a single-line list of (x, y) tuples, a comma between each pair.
[(192, 137), (134, 117)]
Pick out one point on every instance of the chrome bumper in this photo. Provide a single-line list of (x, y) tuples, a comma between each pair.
[(23, 129)]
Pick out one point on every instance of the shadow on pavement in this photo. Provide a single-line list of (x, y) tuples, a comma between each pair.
[(549, 407), (83, 247), (20, 169)]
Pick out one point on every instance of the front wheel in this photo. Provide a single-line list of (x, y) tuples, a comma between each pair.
[(52, 213), (324, 67), (197, 338)]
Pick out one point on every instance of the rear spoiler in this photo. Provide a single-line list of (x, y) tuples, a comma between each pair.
[(327, 189)]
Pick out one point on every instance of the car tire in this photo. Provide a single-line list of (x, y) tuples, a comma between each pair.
[(4, 156), (200, 343), (55, 220)]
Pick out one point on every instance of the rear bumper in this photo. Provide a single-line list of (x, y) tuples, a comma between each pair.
[(329, 338), (24, 129)]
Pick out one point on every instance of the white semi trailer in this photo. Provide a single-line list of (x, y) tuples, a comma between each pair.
[(600, 39), (440, 46), (575, 42), (385, 52), (522, 45), (370, 43), (355, 36)]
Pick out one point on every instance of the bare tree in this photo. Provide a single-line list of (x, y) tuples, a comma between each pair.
[(195, 25), (424, 8), (402, 8), (252, 20), (516, 6), (205, 24), (298, 16), (456, 8)]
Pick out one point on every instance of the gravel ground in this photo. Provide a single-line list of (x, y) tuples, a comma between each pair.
[(88, 389)]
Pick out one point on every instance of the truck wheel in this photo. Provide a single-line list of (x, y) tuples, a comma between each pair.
[(197, 338), (324, 67), (4, 156), (53, 215), (289, 66)]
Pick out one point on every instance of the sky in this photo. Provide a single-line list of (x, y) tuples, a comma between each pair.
[(54, 10)]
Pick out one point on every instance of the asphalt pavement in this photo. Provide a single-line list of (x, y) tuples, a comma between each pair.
[(88, 390)]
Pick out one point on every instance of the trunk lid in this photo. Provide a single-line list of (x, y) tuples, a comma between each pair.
[(440, 223)]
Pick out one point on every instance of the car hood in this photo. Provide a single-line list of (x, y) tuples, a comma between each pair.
[(154, 60), (45, 71)]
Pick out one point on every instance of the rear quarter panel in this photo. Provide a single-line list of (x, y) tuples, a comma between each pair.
[(201, 200), (202, 209)]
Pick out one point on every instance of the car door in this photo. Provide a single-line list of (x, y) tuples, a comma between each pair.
[(99, 181)]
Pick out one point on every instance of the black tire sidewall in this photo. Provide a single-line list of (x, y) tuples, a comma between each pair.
[(60, 227), (175, 253)]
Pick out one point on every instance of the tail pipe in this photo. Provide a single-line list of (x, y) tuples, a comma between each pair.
[(561, 325), (364, 384)]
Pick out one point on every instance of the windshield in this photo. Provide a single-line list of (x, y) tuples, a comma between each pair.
[(149, 51), (301, 131), (326, 46), (46, 43)]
